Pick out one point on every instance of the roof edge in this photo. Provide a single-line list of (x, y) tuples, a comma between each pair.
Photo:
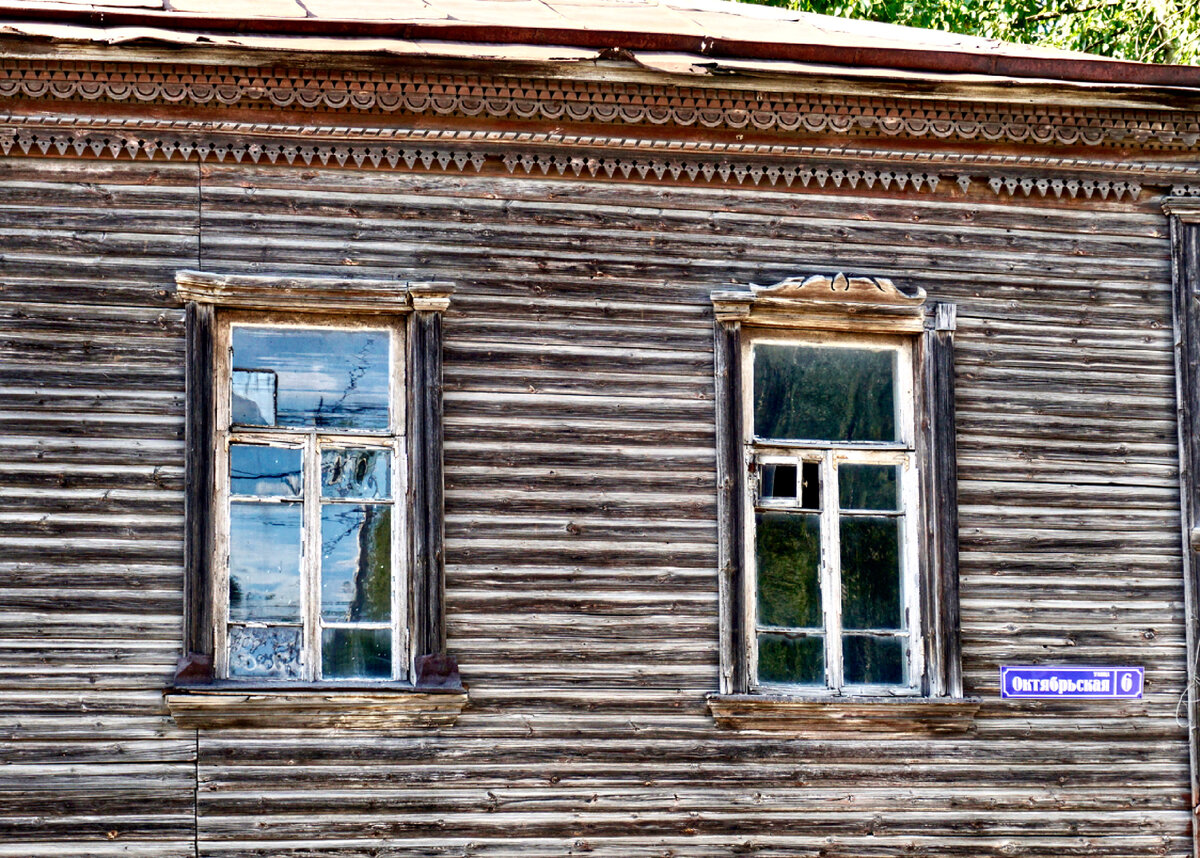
[(1099, 70)]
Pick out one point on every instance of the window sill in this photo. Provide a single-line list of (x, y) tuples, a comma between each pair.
[(800, 715), (357, 708)]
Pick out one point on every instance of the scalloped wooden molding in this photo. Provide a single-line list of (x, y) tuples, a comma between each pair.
[(821, 302), (503, 97)]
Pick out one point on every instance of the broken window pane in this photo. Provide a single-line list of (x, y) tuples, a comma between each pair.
[(356, 563), (788, 557), (267, 653), (823, 393), (873, 487), (871, 597), (264, 471), (810, 485), (873, 661), (795, 660), (356, 653), (264, 562), (779, 481), (310, 377), (365, 474)]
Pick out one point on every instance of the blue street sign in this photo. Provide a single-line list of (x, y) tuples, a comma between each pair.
[(1071, 683)]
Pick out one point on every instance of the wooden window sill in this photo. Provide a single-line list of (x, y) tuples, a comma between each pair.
[(800, 715), (229, 707)]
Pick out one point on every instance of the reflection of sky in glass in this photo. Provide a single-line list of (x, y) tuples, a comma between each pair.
[(264, 471), (324, 377), (356, 563), (272, 653), (365, 474), (264, 562)]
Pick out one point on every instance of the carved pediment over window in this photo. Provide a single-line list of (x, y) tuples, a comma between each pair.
[(820, 302)]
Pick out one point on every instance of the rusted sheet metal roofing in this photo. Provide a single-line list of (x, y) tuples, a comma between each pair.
[(570, 29)]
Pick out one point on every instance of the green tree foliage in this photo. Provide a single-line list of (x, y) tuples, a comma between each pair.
[(1157, 31)]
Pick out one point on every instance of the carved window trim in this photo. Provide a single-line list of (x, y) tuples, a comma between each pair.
[(862, 307), (432, 694)]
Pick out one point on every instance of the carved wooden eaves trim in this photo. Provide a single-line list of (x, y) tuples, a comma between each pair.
[(820, 302), (553, 154), (311, 294), (624, 103)]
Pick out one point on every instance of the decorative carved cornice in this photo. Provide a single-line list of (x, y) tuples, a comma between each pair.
[(820, 302), (556, 154), (625, 103)]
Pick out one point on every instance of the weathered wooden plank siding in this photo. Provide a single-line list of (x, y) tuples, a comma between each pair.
[(581, 506), (91, 390)]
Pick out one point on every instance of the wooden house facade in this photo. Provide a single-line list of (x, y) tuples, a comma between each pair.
[(556, 248)]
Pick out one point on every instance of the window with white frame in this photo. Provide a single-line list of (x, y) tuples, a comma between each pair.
[(310, 463), (833, 601)]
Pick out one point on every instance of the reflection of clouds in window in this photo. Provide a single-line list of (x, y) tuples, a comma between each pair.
[(264, 562), (264, 471), (323, 377)]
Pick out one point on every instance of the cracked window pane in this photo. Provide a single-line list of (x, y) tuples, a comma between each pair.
[(310, 377), (358, 474)]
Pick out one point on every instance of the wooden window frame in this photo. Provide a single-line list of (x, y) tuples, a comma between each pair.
[(311, 441), (829, 456), (425, 689), (865, 310)]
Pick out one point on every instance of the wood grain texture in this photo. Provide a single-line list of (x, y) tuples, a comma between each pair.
[(581, 582)]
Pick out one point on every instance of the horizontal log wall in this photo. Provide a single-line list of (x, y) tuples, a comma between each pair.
[(580, 504)]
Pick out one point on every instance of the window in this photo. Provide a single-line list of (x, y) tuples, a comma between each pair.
[(313, 554), (834, 489), (838, 533), (310, 459)]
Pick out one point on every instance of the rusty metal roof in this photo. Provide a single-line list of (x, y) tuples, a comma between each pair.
[(567, 29)]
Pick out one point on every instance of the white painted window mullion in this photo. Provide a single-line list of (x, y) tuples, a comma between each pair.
[(310, 566), (831, 578)]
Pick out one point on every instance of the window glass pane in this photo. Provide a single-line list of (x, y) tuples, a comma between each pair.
[(873, 661), (787, 556), (310, 377), (272, 652), (869, 487), (779, 481), (793, 660), (264, 562), (824, 393), (363, 474), (871, 597), (264, 471), (348, 653), (356, 563)]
